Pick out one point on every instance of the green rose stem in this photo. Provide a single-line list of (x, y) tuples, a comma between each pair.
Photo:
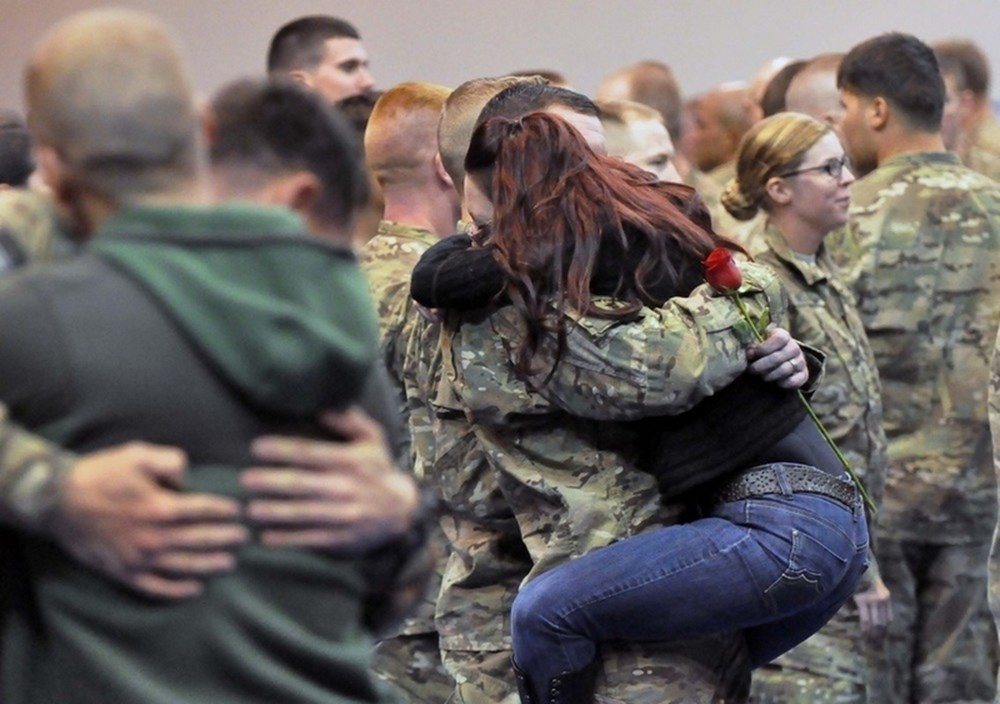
[(812, 414)]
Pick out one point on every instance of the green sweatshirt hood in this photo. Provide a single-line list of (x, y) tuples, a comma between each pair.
[(284, 318)]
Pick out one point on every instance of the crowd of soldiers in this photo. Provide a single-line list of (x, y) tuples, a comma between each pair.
[(904, 302)]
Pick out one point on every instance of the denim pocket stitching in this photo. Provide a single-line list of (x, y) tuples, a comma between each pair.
[(794, 575)]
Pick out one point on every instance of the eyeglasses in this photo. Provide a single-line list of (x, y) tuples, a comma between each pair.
[(834, 168)]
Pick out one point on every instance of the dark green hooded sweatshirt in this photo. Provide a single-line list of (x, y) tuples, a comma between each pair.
[(200, 328)]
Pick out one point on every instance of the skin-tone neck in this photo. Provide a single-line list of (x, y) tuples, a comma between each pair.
[(895, 135), (900, 139), (295, 190), (802, 237), (91, 211), (434, 210), (88, 210)]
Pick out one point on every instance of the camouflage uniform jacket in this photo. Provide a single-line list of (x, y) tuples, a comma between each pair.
[(31, 229), (980, 148), (409, 349), (387, 260), (545, 485), (31, 470), (821, 313), (30, 467), (927, 285)]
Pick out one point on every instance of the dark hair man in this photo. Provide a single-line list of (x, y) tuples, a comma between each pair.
[(923, 258), (277, 136), (324, 53), (523, 98)]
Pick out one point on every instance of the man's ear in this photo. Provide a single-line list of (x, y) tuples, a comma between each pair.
[(298, 191), (878, 113), (441, 172), (777, 190), (302, 192), (301, 76)]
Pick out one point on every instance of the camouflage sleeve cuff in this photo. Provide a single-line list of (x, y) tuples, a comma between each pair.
[(32, 472), (816, 365)]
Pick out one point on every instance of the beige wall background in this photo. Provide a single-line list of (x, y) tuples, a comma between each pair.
[(448, 41)]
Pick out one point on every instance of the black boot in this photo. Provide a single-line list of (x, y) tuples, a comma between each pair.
[(568, 688)]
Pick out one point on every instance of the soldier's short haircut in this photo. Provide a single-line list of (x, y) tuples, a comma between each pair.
[(975, 66), (401, 138), (557, 78), (300, 44), (901, 69), (625, 111), (458, 119), (617, 116), (772, 101), (523, 98), (107, 89), (275, 126), (653, 83)]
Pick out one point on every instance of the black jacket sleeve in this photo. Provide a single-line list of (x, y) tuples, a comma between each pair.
[(454, 274)]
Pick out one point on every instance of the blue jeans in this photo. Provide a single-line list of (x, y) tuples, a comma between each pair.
[(775, 567)]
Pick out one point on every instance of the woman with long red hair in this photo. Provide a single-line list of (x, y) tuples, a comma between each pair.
[(780, 538)]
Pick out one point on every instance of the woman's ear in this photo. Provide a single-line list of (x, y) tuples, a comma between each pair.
[(778, 190)]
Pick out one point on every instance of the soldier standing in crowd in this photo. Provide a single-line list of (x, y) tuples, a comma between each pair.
[(421, 206), (924, 266)]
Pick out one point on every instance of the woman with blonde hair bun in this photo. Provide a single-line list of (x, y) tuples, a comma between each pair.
[(793, 168)]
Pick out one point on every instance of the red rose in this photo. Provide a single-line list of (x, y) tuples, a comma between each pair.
[(721, 271)]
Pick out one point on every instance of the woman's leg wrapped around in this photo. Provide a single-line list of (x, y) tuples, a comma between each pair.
[(775, 566)]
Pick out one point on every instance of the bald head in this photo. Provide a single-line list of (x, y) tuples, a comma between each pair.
[(108, 92), (401, 137), (813, 90), (651, 83), (458, 118), (721, 117)]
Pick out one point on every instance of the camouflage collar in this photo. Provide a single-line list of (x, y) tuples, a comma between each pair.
[(388, 228), (811, 273), (912, 159)]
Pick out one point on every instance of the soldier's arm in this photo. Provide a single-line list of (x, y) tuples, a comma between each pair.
[(31, 477), (664, 362), (112, 510), (671, 357), (118, 510)]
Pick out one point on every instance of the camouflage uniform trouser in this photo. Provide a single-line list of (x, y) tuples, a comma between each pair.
[(834, 666), (712, 671), (941, 647), (781, 685), (412, 664)]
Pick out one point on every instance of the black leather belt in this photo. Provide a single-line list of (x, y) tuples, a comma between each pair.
[(766, 479)]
